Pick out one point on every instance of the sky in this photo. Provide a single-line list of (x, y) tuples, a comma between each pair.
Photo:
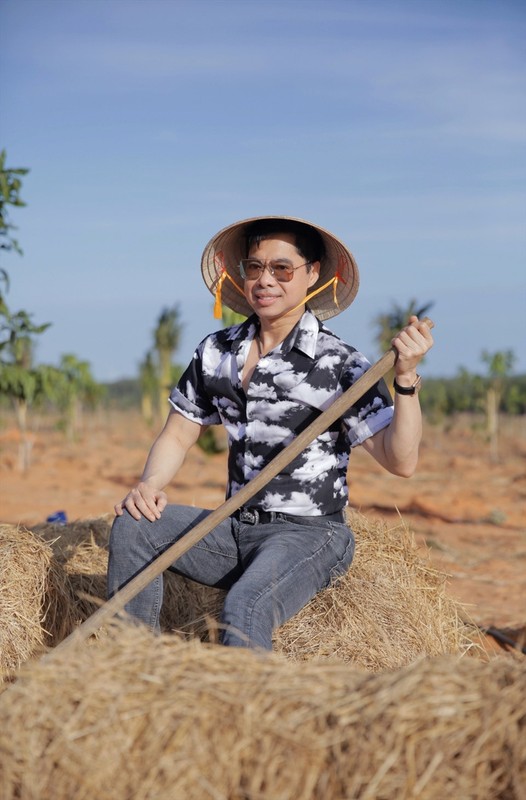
[(149, 125)]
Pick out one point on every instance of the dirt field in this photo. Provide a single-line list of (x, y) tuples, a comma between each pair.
[(469, 512)]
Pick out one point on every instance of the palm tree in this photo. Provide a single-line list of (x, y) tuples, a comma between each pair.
[(166, 337), (149, 383), (390, 323)]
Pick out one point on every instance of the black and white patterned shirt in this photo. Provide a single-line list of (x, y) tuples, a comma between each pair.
[(289, 388)]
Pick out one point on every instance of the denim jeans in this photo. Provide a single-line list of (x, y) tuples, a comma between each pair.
[(270, 571)]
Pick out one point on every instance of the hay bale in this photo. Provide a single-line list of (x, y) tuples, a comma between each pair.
[(134, 715), (81, 549), (80, 560), (47, 580), (25, 562), (66, 537), (389, 610)]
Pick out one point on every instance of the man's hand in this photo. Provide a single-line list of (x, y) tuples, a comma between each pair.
[(144, 501), (411, 344)]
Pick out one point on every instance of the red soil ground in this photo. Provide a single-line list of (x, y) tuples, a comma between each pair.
[(467, 511)]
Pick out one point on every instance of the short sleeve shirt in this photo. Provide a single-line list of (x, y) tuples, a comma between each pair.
[(289, 388)]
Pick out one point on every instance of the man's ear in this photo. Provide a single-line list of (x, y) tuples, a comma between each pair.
[(314, 273)]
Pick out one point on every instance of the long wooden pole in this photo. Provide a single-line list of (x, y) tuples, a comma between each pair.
[(241, 498)]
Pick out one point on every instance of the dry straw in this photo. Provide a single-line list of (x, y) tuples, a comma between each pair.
[(389, 610), (137, 716), (25, 562)]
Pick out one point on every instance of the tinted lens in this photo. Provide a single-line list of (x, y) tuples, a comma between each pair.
[(251, 269), (283, 272)]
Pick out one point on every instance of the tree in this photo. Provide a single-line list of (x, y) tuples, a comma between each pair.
[(499, 364), (10, 185), (74, 389), (18, 379), (390, 323), (167, 336), (230, 317), (18, 325), (149, 385)]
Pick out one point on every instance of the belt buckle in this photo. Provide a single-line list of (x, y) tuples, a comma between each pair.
[(249, 517)]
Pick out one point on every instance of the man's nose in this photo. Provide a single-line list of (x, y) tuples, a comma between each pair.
[(266, 276)]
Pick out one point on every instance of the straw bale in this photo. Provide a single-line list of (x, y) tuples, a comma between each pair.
[(69, 536), (135, 715), (390, 609), (24, 565), (81, 549)]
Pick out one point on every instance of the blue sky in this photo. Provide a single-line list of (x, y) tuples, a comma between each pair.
[(148, 125)]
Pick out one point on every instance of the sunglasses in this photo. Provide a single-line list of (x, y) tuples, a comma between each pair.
[(251, 269)]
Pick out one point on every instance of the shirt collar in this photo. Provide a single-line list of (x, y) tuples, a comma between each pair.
[(303, 336)]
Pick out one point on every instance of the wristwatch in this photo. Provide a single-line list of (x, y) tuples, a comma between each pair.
[(408, 389)]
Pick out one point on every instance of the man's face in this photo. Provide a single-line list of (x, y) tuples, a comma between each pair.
[(269, 297)]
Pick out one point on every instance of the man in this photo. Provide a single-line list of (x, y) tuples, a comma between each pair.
[(265, 380)]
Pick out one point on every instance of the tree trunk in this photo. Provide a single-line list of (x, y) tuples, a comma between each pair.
[(492, 411), (147, 407), (26, 444)]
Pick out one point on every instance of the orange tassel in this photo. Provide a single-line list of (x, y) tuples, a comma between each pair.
[(218, 306)]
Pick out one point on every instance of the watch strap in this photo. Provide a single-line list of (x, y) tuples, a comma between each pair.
[(408, 390)]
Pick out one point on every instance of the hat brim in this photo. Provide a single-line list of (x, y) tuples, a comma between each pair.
[(226, 249)]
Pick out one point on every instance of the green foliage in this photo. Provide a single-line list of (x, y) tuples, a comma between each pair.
[(73, 389), (10, 186), (16, 334), (123, 394), (210, 441), (156, 371), (466, 392), (70, 386), (16, 329), (167, 336), (390, 323), (499, 364), (230, 317)]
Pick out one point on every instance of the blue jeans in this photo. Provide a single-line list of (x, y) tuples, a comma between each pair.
[(269, 571)]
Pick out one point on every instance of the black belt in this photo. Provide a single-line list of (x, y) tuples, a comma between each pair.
[(255, 516)]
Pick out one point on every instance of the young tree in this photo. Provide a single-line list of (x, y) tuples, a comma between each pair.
[(389, 323), (10, 185), (75, 389), (167, 336), (18, 379), (499, 365), (12, 325), (149, 385)]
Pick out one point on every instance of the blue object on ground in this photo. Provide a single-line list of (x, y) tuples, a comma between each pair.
[(58, 518)]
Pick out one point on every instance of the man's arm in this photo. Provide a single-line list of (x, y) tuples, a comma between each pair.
[(166, 456), (396, 446)]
